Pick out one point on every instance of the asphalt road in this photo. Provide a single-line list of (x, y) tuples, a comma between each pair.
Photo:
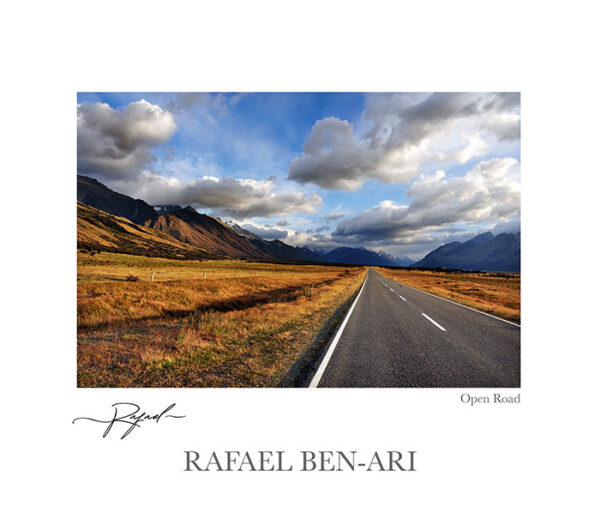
[(397, 336)]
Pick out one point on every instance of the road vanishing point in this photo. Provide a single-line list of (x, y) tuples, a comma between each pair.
[(397, 336)]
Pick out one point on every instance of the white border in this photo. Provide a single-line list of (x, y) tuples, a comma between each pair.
[(490, 457)]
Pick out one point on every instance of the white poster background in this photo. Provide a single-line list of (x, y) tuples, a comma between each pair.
[(540, 455)]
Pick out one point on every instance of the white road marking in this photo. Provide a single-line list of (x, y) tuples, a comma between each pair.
[(455, 303), (432, 321), (391, 289), (319, 374)]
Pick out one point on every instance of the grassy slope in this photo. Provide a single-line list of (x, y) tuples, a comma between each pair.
[(98, 230)]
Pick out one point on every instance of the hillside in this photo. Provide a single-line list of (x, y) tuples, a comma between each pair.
[(209, 235), (206, 232), (484, 253), (97, 195), (101, 231)]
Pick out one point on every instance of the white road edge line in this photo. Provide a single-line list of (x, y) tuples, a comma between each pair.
[(455, 303), (319, 374), (432, 321)]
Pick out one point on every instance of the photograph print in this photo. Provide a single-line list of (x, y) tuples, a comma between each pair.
[(298, 240)]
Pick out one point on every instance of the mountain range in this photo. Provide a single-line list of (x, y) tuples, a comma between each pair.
[(110, 221), (276, 248), (485, 252), (100, 231), (206, 232), (363, 256)]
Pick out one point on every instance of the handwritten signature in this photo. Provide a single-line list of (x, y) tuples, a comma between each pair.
[(131, 415)]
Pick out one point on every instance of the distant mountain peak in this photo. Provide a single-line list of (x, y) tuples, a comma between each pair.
[(482, 238)]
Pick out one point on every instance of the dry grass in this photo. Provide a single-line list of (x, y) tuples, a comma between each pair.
[(493, 293), (119, 300), (197, 332), (106, 267)]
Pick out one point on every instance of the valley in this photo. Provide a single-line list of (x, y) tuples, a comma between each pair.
[(204, 323), (170, 297)]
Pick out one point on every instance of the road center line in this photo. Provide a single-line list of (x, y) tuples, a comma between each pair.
[(458, 304), (432, 321), (319, 374), (401, 297)]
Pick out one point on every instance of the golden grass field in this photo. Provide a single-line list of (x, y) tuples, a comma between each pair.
[(494, 293), (213, 323), (155, 322)]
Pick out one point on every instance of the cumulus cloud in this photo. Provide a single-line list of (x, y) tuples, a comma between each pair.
[(266, 232), (232, 197), (310, 239), (399, 133), (333, 158), (116, 144), (488, 193), (334, 216)]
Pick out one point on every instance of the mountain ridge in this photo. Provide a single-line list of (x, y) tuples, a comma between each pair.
[(206, 232), (212, 236), (484, 252), (98, 230), (95, 194)]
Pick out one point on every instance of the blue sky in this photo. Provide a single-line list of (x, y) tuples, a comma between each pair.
[(397, 172)]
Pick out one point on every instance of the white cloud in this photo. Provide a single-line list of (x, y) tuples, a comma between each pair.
[(232, 197), (116, 144), (399, 133), (333, 158), (488, 193), (265, 231), (314, 240)]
